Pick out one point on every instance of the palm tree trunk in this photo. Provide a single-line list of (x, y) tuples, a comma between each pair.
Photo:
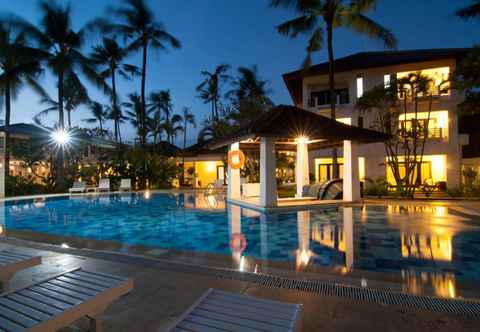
[(60, 180), (333, 97), (114, 102), (101, 125), (69, 119), (144, 73), (183, 151), (7, 128)]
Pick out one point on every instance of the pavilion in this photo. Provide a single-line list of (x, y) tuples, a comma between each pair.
[(295, 129)]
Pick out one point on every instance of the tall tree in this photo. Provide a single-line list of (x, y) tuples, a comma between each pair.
[(111, 56), (173, 127), (20, 66), (249, 96), (99, 114), (143, 32), (161, 102), (210, 88), (156, 126), (472, 11), (136, 116), (75, 95), (188, 119), (317, 17), (57, 37)]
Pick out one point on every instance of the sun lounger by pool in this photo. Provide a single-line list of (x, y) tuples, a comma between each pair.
[(216, 310), (125, 185), (78, 187), (103, 185), (12, 262), (59, 301)]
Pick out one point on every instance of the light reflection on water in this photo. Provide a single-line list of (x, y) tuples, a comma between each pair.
[(428, 248)]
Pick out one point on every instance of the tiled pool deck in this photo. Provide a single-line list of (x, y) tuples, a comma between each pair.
[(161, 295)]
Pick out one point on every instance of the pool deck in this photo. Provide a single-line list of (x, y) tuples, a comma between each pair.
[(160, 295), (286, 204)]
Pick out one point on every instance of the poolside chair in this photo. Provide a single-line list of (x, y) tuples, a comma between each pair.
[(103, 185), (59, 301), (78, 187), (12, 262), (217, 310), (125, 185)]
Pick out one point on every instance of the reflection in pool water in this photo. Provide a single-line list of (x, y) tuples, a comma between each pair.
[(427, 248)]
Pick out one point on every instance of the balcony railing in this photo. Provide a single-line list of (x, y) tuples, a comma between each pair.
[(432, 133)]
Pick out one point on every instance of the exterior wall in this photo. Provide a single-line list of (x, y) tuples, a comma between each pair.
[(374, 153)]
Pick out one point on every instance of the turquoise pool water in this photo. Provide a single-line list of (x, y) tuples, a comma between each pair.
[(436, 243)]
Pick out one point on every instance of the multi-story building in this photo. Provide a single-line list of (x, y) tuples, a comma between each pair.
[(357, 73)]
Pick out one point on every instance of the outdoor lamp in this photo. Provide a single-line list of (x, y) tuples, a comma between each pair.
[(61, 137)]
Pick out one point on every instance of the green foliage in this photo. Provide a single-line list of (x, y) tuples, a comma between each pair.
[(455, 192), (20, 186), (376, 187)]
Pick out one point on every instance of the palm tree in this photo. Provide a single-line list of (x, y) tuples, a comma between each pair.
[(188, 119), (161, 102), (316, 16), (249, 96), (173, 127), (111, 55), (156, 127), (136, 116), (210, 88), (20, 66), (143, 32), (99, 114), (472, 11), (118, 118), (75, 95), (62, 44)]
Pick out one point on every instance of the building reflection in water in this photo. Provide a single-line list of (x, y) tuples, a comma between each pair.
[(443, 284), (207, 201)]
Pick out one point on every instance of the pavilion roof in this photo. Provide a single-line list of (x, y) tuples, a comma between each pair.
[(290, 122)]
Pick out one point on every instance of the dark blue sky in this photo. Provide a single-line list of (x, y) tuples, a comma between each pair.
[(242, 33)]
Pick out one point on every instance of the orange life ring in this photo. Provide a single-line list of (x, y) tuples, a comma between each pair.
[(236, 159), (238, 243)]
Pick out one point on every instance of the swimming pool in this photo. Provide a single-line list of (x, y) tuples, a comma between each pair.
[(436, 246)]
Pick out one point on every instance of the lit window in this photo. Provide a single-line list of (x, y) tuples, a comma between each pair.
[(359, 86), (387, 81), (439, 77)]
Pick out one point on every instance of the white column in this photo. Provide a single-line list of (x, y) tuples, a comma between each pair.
[(301, 167), (233, 189), (351, 181), (268, 182), (348, 237)]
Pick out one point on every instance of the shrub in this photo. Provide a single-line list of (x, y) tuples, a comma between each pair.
[(377, 187), (455, 192), (20, 186)]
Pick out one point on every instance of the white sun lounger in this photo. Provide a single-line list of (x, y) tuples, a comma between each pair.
[(216, 310), (78, 187), (12, 262), (103, 185), (59, 301), (125, 185)]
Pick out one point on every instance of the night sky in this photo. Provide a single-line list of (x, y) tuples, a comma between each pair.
[(242, 33)]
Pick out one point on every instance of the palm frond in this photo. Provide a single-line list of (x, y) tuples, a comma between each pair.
[(365, 25)]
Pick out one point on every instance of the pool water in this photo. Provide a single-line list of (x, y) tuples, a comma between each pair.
[(434, 243)]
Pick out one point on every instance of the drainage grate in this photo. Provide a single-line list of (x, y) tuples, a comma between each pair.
[(454, 306)]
